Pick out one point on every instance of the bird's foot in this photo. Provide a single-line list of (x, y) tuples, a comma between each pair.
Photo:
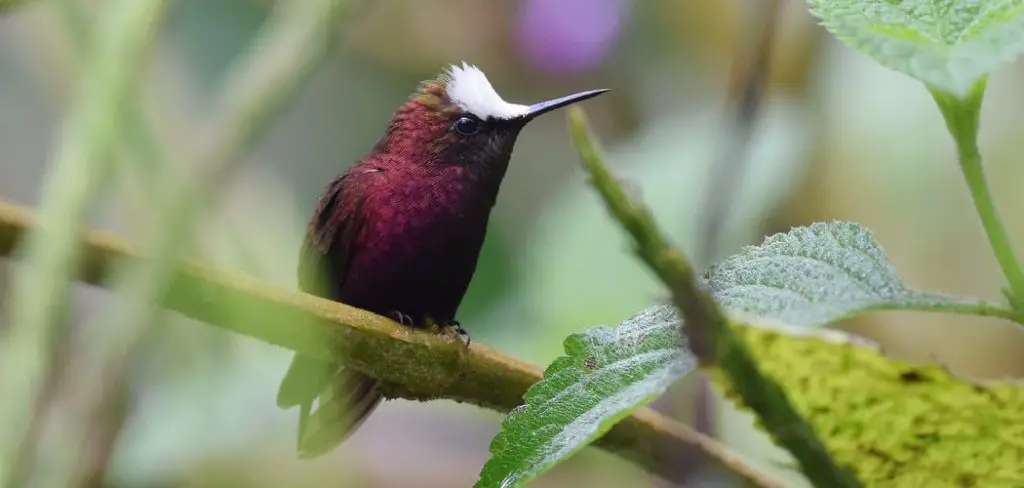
[(454, 328), (400, 317)]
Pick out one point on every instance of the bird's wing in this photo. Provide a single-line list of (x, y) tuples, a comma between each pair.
[(327, 248), (323, 261), (346, 397)]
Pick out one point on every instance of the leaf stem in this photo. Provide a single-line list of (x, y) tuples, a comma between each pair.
[(961, 115), (706, 329), (954, 305)]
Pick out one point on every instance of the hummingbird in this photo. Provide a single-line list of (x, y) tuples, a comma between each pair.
[(400, 231)]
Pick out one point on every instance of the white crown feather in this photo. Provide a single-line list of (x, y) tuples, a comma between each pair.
[(468, 88)]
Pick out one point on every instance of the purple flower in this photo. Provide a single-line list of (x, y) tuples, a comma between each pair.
[(569, 36)]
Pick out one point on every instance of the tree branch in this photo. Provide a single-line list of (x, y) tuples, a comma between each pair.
[(705, 326), (413, 364)]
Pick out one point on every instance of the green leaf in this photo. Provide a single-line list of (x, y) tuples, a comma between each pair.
[(607, 373), (949, 44), (813, 276)]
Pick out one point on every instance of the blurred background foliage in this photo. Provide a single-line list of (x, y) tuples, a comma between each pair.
[(838, 138)]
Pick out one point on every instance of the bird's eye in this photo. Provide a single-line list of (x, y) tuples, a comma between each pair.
[(467, 125)]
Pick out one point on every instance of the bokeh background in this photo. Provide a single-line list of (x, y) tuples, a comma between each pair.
[(838, 137)]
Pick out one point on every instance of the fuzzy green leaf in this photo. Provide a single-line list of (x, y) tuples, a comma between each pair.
[(606, 374), (813, 276), (949, 44)]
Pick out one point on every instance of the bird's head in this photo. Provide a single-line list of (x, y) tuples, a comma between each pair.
[(459, 119)]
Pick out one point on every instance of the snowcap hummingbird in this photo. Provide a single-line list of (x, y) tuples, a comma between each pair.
[(399, 232)]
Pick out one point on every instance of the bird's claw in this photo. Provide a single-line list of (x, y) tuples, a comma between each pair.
[(400, 317), (456, 327)]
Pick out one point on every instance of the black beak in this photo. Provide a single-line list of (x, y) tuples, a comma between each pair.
[(545, 107)]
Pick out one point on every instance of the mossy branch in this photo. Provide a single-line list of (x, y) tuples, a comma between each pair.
[(414, 365), (705, 326)]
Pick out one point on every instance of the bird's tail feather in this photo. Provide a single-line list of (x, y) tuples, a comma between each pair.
[(305, 379), (345, 397), (342, 409)]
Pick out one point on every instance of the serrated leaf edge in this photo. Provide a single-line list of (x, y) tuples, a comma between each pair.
[(580, 341), (945, 75)]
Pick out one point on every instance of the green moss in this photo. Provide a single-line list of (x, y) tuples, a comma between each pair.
[(895, 423)]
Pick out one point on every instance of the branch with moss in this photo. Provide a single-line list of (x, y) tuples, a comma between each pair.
[(705, 326), (414, 365)]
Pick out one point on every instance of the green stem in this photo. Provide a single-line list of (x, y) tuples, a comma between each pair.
[(962, 114), (80, 165), (294, 43), (953, 305), (708, 333)]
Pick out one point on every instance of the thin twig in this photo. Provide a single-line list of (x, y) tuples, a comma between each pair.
[(81, 163), (103, 431), (294, 41), (86, 389), (749, 76), (705, 327), (281, 59), (143, 162), (415, 365)]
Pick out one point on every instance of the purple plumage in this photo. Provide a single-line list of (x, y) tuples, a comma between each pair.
[(400, 232)]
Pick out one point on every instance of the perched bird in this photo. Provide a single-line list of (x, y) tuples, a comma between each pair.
[(399, 232)]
